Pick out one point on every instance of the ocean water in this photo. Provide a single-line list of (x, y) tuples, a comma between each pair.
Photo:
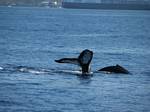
[(32, 38)]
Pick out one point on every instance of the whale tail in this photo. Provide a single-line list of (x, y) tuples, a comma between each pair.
[(83, 60), (68, 60)]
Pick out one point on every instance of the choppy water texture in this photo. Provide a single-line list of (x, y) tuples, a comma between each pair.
[(32, 38)]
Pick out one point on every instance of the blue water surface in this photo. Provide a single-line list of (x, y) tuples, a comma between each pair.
[(32, 38)]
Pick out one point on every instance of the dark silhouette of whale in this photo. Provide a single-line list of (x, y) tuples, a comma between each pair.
[(83, 60), (115, 69)]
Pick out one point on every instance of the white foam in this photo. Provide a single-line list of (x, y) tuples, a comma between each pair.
[(36, 72), (1, 68), (76, 72), (70, 72), (22, 69), (31, 71)]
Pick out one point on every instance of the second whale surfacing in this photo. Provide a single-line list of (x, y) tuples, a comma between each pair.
[(83, 60), (114, 69)]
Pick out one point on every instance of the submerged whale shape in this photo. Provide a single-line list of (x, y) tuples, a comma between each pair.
[(83, 60), (115, 69)]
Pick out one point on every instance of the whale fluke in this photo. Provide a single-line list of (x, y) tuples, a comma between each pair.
[(83, 60), (115, 69), (68, 60)]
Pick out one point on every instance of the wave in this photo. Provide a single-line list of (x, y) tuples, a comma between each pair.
[(9, 68)]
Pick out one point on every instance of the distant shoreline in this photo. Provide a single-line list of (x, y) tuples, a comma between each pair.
[(77, 5)]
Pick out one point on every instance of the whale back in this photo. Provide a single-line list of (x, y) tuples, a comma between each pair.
[(115, 69)]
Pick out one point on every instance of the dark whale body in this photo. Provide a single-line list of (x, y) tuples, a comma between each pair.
[(115, 69), (83, 60)]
